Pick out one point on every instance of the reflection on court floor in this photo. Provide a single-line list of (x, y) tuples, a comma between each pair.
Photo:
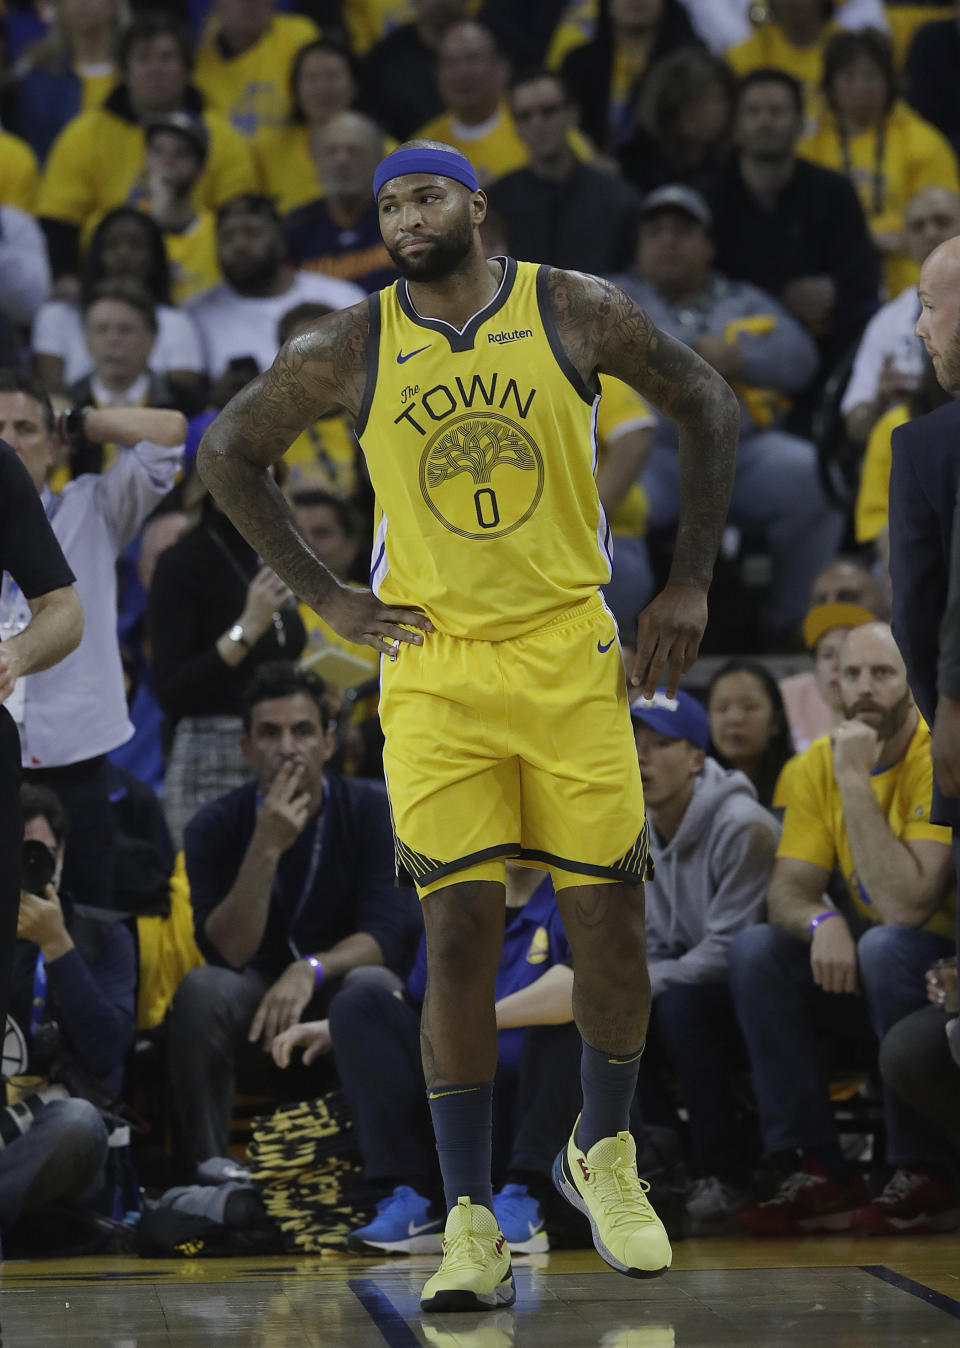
[(725, 1294)]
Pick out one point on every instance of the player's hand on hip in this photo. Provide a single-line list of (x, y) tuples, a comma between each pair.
[(945, 746), (669, 632), (359, 616)]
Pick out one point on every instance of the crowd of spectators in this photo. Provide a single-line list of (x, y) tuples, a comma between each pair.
[(181, 191)]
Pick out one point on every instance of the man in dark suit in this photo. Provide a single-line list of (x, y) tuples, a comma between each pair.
[(924, 545)]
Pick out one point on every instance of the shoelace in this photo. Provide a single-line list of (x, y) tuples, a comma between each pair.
[(464, 1250), (622, 1193), (792, 1185)]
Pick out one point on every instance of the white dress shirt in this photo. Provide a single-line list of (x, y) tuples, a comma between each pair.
[(58, 331), (78, 709), (888, 334)]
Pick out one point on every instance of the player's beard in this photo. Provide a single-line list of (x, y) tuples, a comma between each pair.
[(442, 260), (892, 720), (948, 374)]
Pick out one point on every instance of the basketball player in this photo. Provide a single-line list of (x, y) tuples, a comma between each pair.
[(504, 704)]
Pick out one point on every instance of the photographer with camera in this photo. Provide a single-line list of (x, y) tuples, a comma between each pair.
[(52, 628), (72, 716), (72, 1018)]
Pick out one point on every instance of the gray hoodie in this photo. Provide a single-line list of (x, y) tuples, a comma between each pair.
[(711, 879)]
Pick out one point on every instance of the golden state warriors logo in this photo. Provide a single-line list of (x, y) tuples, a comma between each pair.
[(481, 475), (539, 947)]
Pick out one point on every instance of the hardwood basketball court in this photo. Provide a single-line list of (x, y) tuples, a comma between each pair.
[(824, 1292)]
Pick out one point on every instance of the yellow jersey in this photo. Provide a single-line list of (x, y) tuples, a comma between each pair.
[(367, 21), (495, 148), (887, 168), (192, 255), (287, 172), (481, 448), (873, 496), (621, 411), (577, 25), (96, 88), (768, 46), (19, 174), (97, 163), (285, 167), (253, 89), (325, 455), (813, 828)]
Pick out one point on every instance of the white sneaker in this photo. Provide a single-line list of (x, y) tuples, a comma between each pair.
[(712, 1206)]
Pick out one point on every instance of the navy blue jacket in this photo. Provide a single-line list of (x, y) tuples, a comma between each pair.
[(354, 889), (44, 101), (91, 993), (923, 491)]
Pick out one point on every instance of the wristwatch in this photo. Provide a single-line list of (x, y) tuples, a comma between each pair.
[(238, 635)]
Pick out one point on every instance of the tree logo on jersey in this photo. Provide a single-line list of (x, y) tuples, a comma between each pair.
[(482, 475)]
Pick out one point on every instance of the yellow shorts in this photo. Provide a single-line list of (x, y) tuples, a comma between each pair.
[(515, 749)]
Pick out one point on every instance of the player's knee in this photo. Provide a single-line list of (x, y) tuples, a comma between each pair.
[(463, 938)]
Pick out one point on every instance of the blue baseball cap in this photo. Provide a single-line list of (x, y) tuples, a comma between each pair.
[(679, 718)]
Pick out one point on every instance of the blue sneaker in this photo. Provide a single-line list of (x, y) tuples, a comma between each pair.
[(521, 1220), (403, 1225)]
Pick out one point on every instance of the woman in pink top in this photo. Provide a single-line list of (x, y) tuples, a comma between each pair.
[(812, 700)]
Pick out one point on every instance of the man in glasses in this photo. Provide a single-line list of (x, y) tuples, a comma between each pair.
[(557, 208)]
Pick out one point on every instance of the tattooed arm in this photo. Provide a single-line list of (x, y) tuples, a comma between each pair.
[(314, 373), (603, 330)]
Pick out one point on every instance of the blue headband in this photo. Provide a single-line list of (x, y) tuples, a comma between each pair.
[(446, 163)]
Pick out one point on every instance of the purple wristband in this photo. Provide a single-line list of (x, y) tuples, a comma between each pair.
[(822, 917), (317, 969)]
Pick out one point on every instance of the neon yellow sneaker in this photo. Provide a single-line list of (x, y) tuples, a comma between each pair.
[(496, 1329), (604, 1185), (475, 1273)]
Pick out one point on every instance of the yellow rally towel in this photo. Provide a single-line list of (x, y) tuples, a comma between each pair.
[(168, 951), (763, 404)]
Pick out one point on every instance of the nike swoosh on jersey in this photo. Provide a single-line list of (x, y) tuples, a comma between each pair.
[(414, 1230), (402, 359), (601, 648)]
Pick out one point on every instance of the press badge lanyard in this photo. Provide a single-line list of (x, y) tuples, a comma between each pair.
[(313, 865)]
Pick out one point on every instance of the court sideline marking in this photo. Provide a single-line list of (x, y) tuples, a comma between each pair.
[(383, 1313), (940, 1300), (398, 1333)]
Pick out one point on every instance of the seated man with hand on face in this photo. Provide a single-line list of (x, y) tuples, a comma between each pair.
[(816, 982), (374, 1030), (292, 878)]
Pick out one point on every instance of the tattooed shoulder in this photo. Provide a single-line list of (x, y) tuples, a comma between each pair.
[(578, 301), (598, 322), (600, 327), (329, 360)]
